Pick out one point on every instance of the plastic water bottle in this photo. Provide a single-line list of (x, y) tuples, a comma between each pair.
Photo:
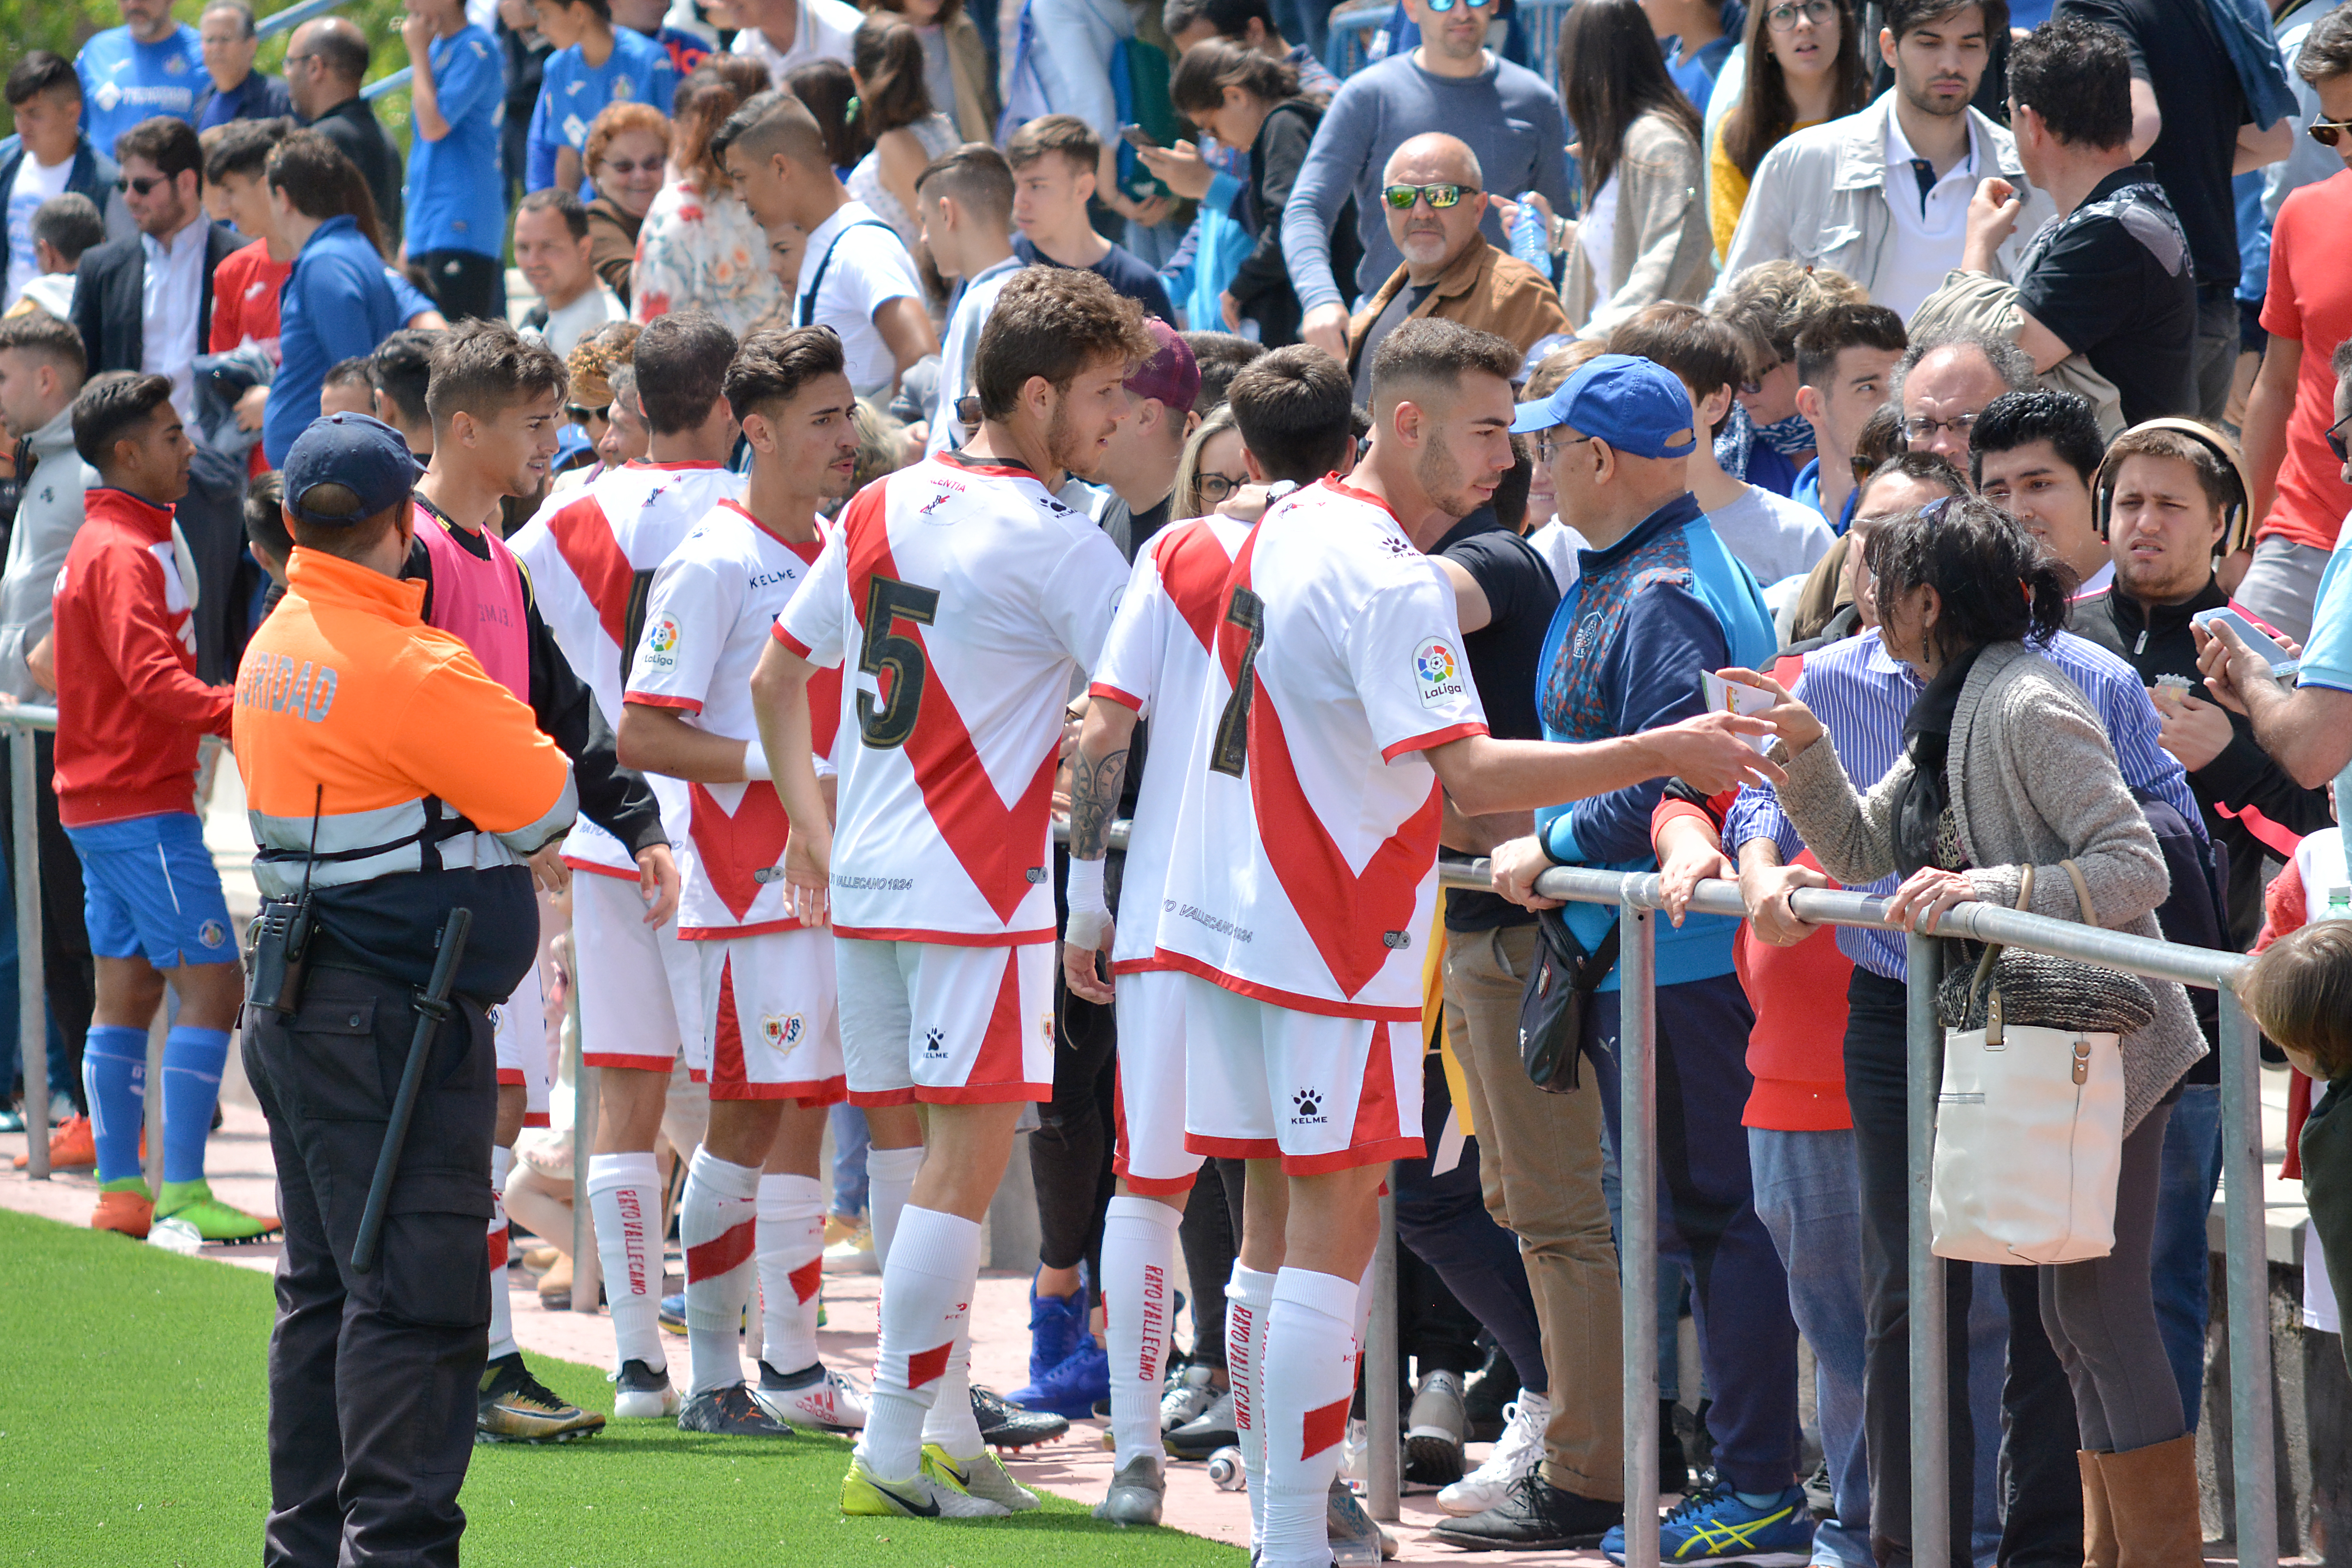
[(176, 1235), (1527, 234), (1226, 1469)]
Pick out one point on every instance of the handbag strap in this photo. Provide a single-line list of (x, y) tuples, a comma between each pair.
[(1987, 965), (2082, 891)]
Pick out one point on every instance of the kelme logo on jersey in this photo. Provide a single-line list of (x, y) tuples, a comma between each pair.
[(784, 1031), (661, 644), (1308, 1104), (1436, 673)]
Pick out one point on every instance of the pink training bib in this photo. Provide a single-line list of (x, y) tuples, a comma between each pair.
[(479, 602)]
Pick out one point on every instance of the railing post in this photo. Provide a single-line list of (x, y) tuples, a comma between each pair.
[(2247, 1262), (1931, 1428), (587, 1270), (1637, 1253), (32, 1007), (1383, 1474)]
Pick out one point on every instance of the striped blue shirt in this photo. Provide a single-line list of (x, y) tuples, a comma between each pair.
[(1861, 698)]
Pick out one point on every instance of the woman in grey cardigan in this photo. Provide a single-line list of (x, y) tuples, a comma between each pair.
[(2005, 766)]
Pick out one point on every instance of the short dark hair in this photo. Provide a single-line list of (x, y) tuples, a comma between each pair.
[(2326, 49), (1294, 407), (485, 367), (681, 360), (402, 369), (348, 540), (775, 363), (70, 223), (1926, 468), (2017, 419), (323, 182), (1067, 134), (2076, 75), (38, 332), (170, 144), (1231, 18), (243, 147), (265, 517), (1977, 557), (1197, 84), (1220, 356), (38, 72), (243, 12), (340, 47), (1049, 321), (975, 174), (1844, 326), (357, 370), (1426, 350), (776, 120), (2299, 989), (555, 198), (1905, 17), (110, 406), (1510, 498), (2216, 475), (1704, 352)]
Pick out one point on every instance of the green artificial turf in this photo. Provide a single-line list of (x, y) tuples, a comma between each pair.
[(131, 1417)]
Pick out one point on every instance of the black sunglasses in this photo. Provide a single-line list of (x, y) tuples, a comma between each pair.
[(143, 185), (2335, 443), (581, 413)]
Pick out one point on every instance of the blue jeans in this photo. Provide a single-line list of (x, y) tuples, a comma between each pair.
[(2191, 1174), (850, 1141)]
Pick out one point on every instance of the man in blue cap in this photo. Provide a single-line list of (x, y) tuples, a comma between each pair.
[(390, 781), (1660, 603)]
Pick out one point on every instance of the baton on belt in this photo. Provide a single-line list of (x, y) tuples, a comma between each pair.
[(432, 1007)]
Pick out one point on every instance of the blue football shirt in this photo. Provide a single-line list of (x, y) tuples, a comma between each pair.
[(124, 82), (455, 197), (573, 93)]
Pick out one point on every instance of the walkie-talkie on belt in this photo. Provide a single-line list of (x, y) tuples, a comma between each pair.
[(280, 938)]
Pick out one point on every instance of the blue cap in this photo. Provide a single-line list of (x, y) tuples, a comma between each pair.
[(1635, 405), (364, 456)]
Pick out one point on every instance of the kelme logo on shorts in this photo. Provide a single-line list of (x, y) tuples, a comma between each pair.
[(1436, 673), (935, 1043), (1308, 1104)]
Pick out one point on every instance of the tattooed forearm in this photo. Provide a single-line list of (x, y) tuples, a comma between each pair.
[(1094, 800)]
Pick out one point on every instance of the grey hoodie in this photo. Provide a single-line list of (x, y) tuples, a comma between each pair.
[(47, 521)]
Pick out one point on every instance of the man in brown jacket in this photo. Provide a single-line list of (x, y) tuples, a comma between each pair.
[(1450, 270)]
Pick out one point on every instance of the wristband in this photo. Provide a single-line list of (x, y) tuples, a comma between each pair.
[(1085, 887), (755, 763)]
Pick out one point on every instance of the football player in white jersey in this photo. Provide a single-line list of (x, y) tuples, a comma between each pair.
[(1293, 409), (591, 554), (1304, 874), (768, 1048), (970, 598)]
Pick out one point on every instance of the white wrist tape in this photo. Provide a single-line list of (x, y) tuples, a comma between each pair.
[(1089, 913), (755, 762)]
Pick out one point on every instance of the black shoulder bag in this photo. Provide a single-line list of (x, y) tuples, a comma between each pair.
[(1551, 1010)]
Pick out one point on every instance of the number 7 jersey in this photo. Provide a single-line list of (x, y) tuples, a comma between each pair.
[(965, 600)]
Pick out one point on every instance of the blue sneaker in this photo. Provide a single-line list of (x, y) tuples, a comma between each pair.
[(1071, 1388), (1057, 1327), (1715, 1523)]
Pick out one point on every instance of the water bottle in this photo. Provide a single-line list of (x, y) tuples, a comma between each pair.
[(1527, 234), (1226, 1469)]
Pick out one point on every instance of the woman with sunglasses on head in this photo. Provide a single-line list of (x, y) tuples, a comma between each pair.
[(1804, 66), (893, 106), (1643, 236), (627, 146)]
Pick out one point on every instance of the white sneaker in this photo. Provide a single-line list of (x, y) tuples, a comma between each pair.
[(1514, 1457), (1187, 1399), (830, 1402), (642, 1394)]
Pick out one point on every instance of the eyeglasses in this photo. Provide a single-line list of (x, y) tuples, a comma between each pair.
[(626, 167), (1216, 488), (1919, 428), (967, 409), (2325, 132), (1784, 18), (143, 185), (2335, 442), (1549, 447), (1440, 197), (292, 60)]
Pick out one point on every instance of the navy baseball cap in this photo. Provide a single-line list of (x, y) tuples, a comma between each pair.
[(364, 456), (1635, 405)]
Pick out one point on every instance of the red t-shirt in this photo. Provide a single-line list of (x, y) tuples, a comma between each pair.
[(245, 298), (2310, 300), (1796, 1049)]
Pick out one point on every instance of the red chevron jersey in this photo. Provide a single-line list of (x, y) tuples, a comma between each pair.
[(1161, 659), (705, 624), (1304, 871), (963, 602), (592, 553)]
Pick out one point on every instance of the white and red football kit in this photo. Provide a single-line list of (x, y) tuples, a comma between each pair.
[(771, 1032), (969, 600), (1305, 866), (591, 554), (1160, 660)]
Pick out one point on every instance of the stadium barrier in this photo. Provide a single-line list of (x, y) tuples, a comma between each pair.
[(32, 1006)]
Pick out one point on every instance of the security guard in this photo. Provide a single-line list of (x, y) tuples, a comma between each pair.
[(390, 780)]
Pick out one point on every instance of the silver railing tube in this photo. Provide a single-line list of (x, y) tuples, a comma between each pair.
[(587, 1273), (1931, 1428), (2247, 1272), (1637, 1176), (25, 868), (1384, 1471)]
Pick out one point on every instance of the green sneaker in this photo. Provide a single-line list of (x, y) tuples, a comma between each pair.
[(214, 1220)]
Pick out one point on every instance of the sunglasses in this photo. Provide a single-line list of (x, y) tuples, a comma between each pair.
[(143, 185), (967, 409), (2325, 132), (581, 413), (1440, 197), (1442, 6), (2335, 442), (631, 167)]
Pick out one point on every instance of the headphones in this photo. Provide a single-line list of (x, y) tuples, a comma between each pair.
[(2237, 515)]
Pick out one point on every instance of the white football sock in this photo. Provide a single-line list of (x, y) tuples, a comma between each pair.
[(624, 1198), (1310, 1379), (1139, 1257), (1248, 1298), (925, 1306), (792, 1261), (950, 1422), (502, 1341), (718, 1223), (890, 1181)]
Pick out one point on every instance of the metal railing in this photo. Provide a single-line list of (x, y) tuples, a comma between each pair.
[(25, 868)]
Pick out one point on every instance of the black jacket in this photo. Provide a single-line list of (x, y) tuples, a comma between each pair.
[(2157, 640), (107, 288), (353, 127), (1261, 283)]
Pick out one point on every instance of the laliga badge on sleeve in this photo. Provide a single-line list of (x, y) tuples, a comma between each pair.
[(1436, 672)]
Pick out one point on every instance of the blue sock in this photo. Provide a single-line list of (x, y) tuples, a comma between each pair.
[(1761, 1501), (193, 1060), (114, 1077)]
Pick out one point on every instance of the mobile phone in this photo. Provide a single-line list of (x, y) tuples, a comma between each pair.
[(2283, 663), (1136, 136)]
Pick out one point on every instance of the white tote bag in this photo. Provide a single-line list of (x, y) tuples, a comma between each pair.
[(2029, 1139)]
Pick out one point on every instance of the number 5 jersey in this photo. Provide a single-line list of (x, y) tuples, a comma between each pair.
[(963, 602)]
